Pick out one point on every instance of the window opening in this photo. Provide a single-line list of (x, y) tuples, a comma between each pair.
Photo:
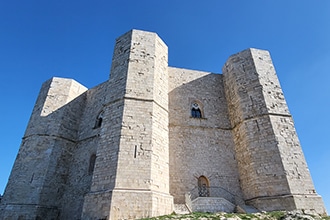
[(135, 151), (99, 120), (195, 111), (92, 160)]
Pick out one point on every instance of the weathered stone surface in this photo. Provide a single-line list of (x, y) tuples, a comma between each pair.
[(136, 144), (212, 204)]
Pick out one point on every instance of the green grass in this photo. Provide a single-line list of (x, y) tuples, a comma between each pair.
[(277, 214)]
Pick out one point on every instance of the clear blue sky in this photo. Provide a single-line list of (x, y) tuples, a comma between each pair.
[(75, 39)]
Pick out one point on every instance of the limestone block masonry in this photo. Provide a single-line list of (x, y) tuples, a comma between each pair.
[(153, 135)]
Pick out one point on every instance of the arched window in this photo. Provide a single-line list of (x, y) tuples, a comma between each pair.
[(92, 160), (99, 119), (196, 111)]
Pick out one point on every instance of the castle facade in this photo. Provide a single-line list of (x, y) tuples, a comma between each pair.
[(154, 137)]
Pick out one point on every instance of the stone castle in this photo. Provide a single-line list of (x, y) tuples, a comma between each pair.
[(153, 138)]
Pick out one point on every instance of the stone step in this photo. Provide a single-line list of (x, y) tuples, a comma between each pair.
[(246, 209), (181, 209)]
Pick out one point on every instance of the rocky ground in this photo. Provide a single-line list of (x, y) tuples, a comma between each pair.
[(278, 215)]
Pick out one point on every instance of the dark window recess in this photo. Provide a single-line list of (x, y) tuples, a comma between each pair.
[(196, 113), (135, 151), (99, 120), (92, 160), (98, 123)]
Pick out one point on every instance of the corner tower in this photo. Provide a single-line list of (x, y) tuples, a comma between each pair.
[(273, 171), (142, 181), (40, 172), (139, 82)]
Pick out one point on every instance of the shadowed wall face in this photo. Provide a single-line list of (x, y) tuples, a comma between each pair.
[(40, 173)]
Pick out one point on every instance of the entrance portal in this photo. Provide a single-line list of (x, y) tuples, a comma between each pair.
[(203, 187)]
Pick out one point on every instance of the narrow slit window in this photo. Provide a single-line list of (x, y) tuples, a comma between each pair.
[(99, 122), (92, 160)]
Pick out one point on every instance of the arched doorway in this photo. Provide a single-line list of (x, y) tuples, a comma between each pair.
[(203, 187)]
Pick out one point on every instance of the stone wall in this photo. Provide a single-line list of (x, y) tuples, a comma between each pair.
[(211, 204), (125, 148), (199, 146), (143, 165), (80, 174), (40, 173), (270, 159)]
